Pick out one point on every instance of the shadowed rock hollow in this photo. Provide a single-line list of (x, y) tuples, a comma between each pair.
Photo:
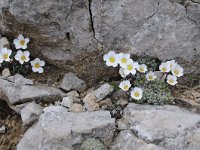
[(74, 34)]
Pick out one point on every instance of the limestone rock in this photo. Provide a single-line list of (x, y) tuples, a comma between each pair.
[(127, 141), (170, 125), (18, 108), (4, 43), (20, 80), (74, 34), (2, 129), (73, 93), (103, 91), (106, 103), (92, 144), (6, 72), (72, 82), (59, 129), (150, 27), (60, 32), (76, 108), (90, 103), (15, 94), (30, 113), (67, 101)]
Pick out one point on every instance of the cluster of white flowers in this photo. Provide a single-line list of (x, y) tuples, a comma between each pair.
[(171, 67), (130, 67), (22, 56)]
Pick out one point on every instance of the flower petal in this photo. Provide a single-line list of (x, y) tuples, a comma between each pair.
[(40, 70), (21, 37)]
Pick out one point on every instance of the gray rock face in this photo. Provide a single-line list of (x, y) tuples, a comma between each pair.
[(60, 32), (169, 126), (72, 82), (68, 33), (59, 129), (126, 140), (158, 27), (31, 113), (14, 94)]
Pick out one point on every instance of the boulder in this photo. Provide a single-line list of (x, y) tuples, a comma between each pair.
[(60, 31), (159, 28), (168, 126), (74, 34), (59, 129)]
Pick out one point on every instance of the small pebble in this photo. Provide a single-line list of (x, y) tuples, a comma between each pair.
[(3, 129)]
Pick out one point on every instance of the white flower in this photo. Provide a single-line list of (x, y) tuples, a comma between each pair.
[(123, 59), (37, 65), (21, 42), (130, 67), (164, 67), (125, 85), (136, 93), (177, 70), (111, 59), (142, 68), (172, 63), (121, 72), (150, 76), (5, 54), (22, 56), (171, 79)]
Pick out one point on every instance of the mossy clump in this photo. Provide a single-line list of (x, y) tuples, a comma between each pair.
[(92, 144), (156, 92), (152, 63)]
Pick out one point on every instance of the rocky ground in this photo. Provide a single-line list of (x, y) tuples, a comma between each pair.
[(69, 115)]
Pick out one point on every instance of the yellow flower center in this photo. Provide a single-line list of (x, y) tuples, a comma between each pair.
[(123, 60), (176, 72), (141, 69), (164, 69), (125, 87), (136, 94), (22, 42), (171, 81), (129, 67), (37, 65), (23, 58), (150, 77), (112, 59), (5, 56)]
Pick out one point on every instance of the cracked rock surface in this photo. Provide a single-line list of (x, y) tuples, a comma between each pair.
[(167, 126), (70, 34), (59, 129), (158, 28), (18, 92)]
